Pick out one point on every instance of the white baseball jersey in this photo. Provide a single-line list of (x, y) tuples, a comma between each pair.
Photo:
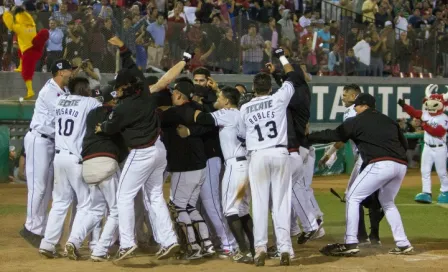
[(43, 117), (263, 119), (227, 121), (71, 113), (349, 113), (434, 121)]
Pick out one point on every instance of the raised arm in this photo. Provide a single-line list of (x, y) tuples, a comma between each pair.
[(172, 73)]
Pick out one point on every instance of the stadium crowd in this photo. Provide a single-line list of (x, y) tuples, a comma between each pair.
[(364, 38)]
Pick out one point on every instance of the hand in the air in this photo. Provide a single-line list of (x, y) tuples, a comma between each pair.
[(401, 102), (188, 55), (270, 67), (322, 162), (279, 52), (116, 41), (183, 131)]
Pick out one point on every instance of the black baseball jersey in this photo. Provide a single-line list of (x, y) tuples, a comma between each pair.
[(298, 111), (211, 139), (102, 145), (377, 137), (184, 154)]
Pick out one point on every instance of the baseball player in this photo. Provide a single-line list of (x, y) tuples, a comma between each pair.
[(71, 113), (186, 163), (236, 210), (39, 145), (264, 126), (210, 203), (382, 147), (135, 119), (349, 95), (101, 155)]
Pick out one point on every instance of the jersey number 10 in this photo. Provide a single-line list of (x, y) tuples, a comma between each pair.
[(272, 129), (68, 127)]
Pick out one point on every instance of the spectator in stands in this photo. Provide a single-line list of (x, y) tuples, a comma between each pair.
[(174, 33), (75, 48), (62, 16), (389, 33), (54, 44), (382, 16), (415, 18), (362, 52), (87, 70), (388, 67), (352, 37), (129, 32), (286, 44), (377, 50), (401, 25), (157, 31), (262, 14), (267, 52), (96, 44), (141, 50), (346, 15), (206, 11), (252, 45), (351, 63), (270, 33), (228, 54), (118, 15), (325, 35), (20, 174), (287, 27), (335, 61), (305, 21), (404, 51), (369, 8), (12, 162)]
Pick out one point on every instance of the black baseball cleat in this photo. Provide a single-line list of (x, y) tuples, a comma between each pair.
[(260, 258), (340, 250), (285, 259), (49, 254), (402, 250), (72, 252), (306, 236)]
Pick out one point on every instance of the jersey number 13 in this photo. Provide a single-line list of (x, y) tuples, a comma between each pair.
[(272, 130), (68, 127)]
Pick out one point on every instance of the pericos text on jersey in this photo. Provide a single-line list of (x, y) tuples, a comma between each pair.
[(66, 110), (260, 111)]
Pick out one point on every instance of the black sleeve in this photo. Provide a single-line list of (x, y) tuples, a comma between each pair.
[(341, 134), (116, 121), (296, 77), (278, 78), (402, 138), (205, 119), (170, 117), (198, 130)]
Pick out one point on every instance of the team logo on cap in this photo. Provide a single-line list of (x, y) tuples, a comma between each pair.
[(114, 94), (59, 65)]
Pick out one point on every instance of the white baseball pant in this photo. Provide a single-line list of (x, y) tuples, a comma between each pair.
[(39, 176), (309, 159), (141, 219), (144, 169), (235, 176), (386, 176), (355, 172), (430, 156), (185, 189), (270, 175), (210, 204), (300, 197), (68, 183)]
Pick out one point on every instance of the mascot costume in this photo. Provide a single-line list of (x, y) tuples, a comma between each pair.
[(31, 45), (435, 125)]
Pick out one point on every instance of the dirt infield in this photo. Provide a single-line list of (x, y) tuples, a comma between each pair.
[(17, 255)]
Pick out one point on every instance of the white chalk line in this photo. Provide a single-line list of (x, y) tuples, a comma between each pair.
[(423, 205)]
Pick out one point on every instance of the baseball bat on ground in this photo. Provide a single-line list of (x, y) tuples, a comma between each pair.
[(337, 195)]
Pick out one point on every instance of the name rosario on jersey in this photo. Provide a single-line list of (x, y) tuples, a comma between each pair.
[(66, 110), (262, 114)]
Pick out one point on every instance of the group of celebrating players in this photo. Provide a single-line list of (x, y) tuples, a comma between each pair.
[(112, 149)]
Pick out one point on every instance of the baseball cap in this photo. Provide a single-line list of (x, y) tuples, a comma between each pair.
[(124, 76), (104, 94), (12, 148), (60, 65), (388, 23), (365, 99), (185, 88)]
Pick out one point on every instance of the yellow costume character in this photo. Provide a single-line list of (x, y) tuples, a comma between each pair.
[(31, 44)]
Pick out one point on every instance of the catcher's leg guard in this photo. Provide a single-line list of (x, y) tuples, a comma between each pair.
[(200, 227), (184, 236)]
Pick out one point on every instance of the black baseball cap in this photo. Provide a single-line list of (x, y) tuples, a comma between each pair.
[(365, 99), (60, 65), (104, 94), (124, 76), (185, 88)]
